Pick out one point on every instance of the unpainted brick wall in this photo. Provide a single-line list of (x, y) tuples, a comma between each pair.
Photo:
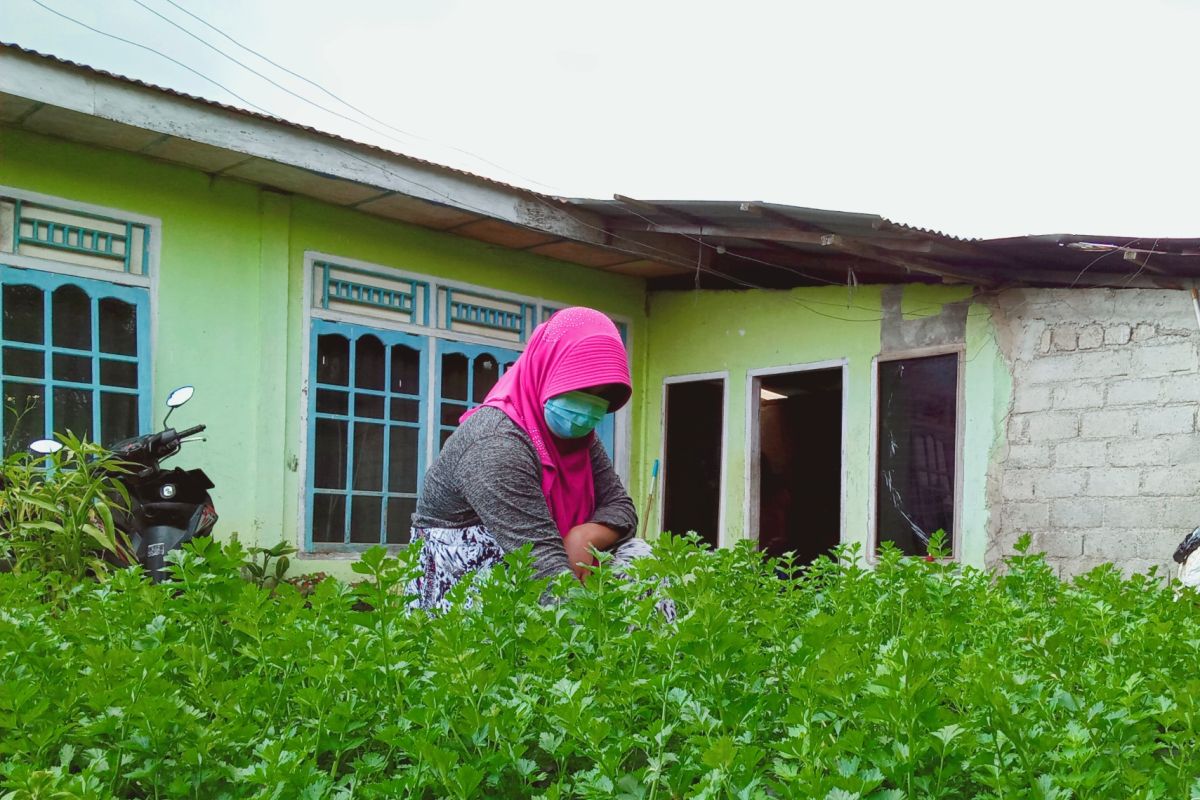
[(1102, 458)]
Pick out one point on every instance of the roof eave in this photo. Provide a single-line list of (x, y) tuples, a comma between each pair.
[(248, 146)]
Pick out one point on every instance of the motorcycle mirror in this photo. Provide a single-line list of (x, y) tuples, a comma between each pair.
[(45, 447), (180, 396), (177, 398)]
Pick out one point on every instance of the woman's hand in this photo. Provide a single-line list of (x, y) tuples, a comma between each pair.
[(581, 540)]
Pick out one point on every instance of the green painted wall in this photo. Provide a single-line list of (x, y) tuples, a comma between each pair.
[(228, 302), (738, 331)]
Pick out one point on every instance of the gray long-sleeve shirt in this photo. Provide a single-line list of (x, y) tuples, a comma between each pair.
[(489, 474)]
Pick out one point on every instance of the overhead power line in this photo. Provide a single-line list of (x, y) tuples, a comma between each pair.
[(331, 94), (149, 49), (266, 78)]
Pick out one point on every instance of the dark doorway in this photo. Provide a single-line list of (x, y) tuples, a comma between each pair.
[(695, 419), (799, 462)]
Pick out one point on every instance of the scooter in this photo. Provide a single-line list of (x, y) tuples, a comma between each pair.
[(167, 508)]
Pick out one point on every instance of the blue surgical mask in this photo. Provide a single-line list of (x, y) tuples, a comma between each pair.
[(574, 414)]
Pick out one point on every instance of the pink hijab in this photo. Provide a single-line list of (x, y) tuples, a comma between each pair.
[(577, 348)]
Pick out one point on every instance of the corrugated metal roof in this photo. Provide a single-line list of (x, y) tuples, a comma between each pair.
[(776, 245), (930, 231), (718, 211), (56, 97)]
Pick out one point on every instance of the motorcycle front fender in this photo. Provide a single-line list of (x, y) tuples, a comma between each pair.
[(155, 542)]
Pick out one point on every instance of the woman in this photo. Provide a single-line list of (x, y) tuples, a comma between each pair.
[(525, 468)]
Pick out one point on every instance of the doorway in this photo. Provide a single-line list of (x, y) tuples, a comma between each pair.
[(795, 491), (693, 456)]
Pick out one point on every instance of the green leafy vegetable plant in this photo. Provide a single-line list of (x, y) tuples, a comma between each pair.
[(57, 512), (258, 569), (910, 679)]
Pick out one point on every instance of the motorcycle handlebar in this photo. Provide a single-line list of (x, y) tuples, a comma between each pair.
[(191, 431)]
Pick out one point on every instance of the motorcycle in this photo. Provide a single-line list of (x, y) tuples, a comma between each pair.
[(167, 507)]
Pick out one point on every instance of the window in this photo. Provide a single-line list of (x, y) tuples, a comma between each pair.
[(466, 373), (367, 447), (916, 473), (371, 425), (394, 361), (74, 320), (73, 357)]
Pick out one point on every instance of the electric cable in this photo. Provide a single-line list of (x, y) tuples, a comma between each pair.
[(353, 107), (147, 48), (266, 78)]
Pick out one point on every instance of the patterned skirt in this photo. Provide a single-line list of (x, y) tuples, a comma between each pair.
[(449, 554)]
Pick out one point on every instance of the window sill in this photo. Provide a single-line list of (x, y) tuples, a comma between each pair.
[(344, 554)]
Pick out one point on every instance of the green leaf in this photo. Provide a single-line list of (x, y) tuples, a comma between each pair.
[(101, 537), (719, 755), (947, 734), (45, 505)]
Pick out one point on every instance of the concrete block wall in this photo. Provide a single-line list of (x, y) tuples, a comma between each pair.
[(1102, 459)]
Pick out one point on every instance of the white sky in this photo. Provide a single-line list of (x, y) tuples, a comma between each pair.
[(996, 119)]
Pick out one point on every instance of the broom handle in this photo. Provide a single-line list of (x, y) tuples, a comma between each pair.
[(650, 497)]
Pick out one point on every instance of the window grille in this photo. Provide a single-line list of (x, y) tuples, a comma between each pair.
[(484, 315), (466, 373), (371, 293)]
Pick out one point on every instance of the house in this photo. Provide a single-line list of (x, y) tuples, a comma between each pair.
[(805, 377)]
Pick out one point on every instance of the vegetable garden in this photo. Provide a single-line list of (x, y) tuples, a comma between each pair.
[(907, 680)]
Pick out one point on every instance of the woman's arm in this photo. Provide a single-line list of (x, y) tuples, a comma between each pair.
[(614, 508), (581, 540)]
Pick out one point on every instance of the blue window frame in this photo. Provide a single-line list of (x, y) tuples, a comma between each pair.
[(403, 296), (367, 435), (487, 312), (74, 355), (465, 374)]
